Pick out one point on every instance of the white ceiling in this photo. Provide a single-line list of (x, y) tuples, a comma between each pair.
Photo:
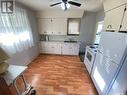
[(39, 5)]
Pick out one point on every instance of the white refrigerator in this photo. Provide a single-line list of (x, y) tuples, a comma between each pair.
[(119, 85), (109, 57)]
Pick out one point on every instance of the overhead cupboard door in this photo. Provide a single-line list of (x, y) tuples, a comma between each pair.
[(124, 22), (45, 26), (113, 45), (59, 26), (103, 72), (53, 26), (111, 4), (113, 18)]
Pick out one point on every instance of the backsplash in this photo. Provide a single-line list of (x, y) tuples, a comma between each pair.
[(58, 38)]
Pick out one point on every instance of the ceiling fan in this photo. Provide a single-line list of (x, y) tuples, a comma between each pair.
[(65, 4)]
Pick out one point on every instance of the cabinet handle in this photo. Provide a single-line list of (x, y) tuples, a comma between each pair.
[(109, 26), (120, 26)]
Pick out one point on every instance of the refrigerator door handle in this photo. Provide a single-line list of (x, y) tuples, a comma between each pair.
[(113, 61), (100, 51)]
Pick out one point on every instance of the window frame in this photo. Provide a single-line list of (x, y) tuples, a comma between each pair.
[(78, 26), (96, 29)]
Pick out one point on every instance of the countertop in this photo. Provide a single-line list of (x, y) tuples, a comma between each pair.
[(62, 41)]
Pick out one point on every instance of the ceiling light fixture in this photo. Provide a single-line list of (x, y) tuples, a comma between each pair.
[(62, 6), (68, 5), (65, 6)]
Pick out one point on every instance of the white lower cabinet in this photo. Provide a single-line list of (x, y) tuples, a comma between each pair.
[(70, 48), (65, 49), (59, 48), (50, 47)]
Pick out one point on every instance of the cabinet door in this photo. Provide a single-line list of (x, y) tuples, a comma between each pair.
[(124, 23), (110, 4), (59, 26), (57, 48), (47, 47), (65, 49), (50, 47), (113, 18), (63, 27), (45, 26), (74, 49), (43, 47), (70, 49)]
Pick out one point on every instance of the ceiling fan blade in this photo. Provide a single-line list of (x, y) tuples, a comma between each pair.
[(56, 4), (74, 3)]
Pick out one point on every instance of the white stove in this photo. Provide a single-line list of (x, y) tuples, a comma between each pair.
[(90, 57)]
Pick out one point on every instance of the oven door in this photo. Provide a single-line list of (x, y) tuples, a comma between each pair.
[(89, 59)]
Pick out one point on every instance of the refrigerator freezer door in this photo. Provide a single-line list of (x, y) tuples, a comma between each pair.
[(103, 72), (112, 45), (120, 85)]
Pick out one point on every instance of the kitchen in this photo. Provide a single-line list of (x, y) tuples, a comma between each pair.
[(90, 39)]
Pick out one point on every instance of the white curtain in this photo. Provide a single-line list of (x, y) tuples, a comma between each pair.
[(15, 31)]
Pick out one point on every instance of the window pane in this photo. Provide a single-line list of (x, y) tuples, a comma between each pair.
[(73, 26), (98, 31)]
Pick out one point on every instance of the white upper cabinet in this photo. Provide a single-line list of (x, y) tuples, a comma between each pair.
[(60, 26), (110, 4), (56, 26), (124, 22), (113, 18), (45, 26)]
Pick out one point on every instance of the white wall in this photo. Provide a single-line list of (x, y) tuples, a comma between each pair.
[(88, 28), (26, 56), (100, 15), (60, 14)]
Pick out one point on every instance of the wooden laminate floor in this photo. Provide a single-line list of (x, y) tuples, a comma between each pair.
[(59, 75)]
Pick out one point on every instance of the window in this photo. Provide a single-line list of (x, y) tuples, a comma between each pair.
[(73, 26), (98, 31), (15, 32)]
